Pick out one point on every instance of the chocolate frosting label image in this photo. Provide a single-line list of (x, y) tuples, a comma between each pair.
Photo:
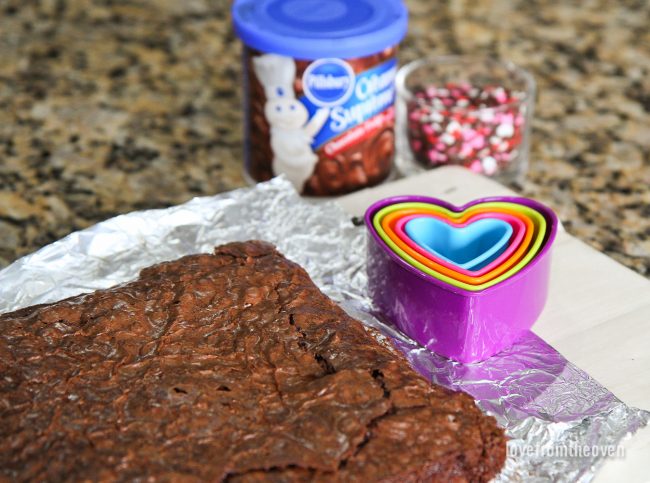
[(326, 124)]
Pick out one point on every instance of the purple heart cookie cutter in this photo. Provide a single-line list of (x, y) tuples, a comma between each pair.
[(456, 323)]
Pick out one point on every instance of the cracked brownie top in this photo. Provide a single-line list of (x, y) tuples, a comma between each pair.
[(231, 366)]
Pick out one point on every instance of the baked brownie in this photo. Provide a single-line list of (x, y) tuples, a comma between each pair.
[(231, 366)]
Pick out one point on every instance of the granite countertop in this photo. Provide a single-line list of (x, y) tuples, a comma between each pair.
[(108, 107)]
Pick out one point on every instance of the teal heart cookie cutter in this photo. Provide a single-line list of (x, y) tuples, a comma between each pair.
[(470, 247)]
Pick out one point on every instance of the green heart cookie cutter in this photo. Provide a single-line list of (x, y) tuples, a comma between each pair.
[(538, 221)]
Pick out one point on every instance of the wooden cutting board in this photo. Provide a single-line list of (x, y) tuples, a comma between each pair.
[(597, 314)]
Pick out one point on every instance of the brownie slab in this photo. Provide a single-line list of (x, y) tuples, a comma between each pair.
[(224, 367)]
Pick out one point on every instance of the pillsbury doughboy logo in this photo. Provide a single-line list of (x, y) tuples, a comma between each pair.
[(328, 82), (292, 126)]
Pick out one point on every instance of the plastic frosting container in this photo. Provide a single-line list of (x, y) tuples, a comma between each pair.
[(319, 90)]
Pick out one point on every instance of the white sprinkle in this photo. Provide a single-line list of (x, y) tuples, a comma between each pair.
[(448, 139), (453, 126), (505, 130), (489, 165), (487, 115)]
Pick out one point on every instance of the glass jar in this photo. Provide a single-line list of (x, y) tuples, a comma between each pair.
[(464, 111)]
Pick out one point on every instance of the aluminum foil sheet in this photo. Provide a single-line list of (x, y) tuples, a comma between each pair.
[(551, 409)]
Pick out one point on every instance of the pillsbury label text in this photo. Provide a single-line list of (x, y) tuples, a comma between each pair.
[(351, 99)]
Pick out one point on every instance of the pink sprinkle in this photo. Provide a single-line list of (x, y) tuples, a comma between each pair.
[(478, 142), (501, 118), (469, 133), (476, 166), (466, 151), (500, 95), (437, 157)]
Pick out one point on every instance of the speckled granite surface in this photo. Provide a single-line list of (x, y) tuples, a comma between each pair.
[(111, 106)]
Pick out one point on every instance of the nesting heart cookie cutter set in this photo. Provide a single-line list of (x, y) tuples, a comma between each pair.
[(464, 314), (518, 225)]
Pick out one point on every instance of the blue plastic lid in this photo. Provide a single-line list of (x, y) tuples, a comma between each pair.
[(314, 29)]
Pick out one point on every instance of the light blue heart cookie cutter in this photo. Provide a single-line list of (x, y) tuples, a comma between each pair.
[(470, 247)]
